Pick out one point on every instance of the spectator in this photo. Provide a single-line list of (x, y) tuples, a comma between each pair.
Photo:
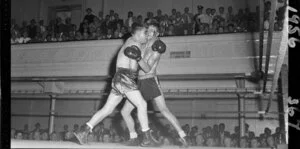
[(229, 16), (36, 135), (227, 142), (210, 142), (68, 26), (130, 20), (159, 16), (244, 142), (53, 136), (37, 127), (200, 140), (198, 17), (19, 135), (107, 138), (222, 133), (214, 27), (24, 27), (164, 24), (188, 21), (111, 15), (100, 133), (149, 18), (89, 16), (32, 29), (213, 14), (201, 29), (206, 18), (179, 24), (271, 142), (221, 14), (263, 140), (140, 19), (173, 16), (193, 135), (100, 17), (117, 21), (65, 130), (75, 128), (254, 143), (45, 136), (12, 133), (42, 28), (25, 131)]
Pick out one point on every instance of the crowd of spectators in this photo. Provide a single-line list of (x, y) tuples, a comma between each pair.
[(111, 26), (211, 136)]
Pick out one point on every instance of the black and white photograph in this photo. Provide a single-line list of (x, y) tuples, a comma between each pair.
[(126, 74)]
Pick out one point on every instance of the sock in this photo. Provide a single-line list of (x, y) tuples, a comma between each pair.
[(181, 134), (91, 127), (133, 135), (144, 130)]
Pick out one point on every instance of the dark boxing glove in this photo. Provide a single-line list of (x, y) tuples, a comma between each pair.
[(133, 52), (159, 46)]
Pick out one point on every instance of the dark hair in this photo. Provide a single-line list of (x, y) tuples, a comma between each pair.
[(154, 23), (136, 27)]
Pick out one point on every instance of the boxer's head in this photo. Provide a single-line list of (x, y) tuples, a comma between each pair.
[(139, 32), (153, 30)]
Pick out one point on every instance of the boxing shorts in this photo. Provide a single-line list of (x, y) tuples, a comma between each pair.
[(149, 86), (124, 81)]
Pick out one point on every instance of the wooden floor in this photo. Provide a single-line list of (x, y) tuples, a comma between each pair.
[(66, 145)]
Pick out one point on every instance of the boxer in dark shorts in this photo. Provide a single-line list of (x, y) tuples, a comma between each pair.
[(150, 88)]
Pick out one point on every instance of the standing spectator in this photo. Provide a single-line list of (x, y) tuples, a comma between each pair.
[(149, 18), (221, 15), (68, 26), (206, 18), (164, 24), (159, 16), (198, 17), (193, 135), (229, 16), (12, 133), (101, 131), (179, 24), (117, 21), (42, 27), (130, 20), (25, 131), (188, 21), (111, 15), (37, 127), (213, 14), (24, 27), (32, 29), (140, 19), (173, 16), (221, 134), (89, 16), (100, 16), (263, 140)]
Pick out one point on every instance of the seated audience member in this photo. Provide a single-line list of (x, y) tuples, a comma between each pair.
[(101, 131), (170, 31), (200, 140), (263, 140), (45, 136), (36, 135), (227, 142), (53, 136), (19, 135), (91, 137), (166, 141), (193, 134), (24, 38), (254, 143), (271, 142), (32, 29), (201, 29), (244, 142), (109, 34), (107, 138), (78, 36), (234, 140), (230, 28), (210, 142), (221, 15), (214, 27)]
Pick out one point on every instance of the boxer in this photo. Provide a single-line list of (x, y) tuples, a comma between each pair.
[(124, 85), (150, 88)]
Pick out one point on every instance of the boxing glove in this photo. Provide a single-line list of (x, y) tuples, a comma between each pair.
[(133, 52), (159, 46)]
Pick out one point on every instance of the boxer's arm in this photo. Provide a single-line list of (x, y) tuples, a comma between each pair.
[(153, 59), (145, 67)]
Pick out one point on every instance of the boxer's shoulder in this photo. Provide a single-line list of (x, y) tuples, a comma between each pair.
[(131, 42)]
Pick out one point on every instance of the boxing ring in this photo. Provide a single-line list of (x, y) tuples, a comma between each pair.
[(65, 144)]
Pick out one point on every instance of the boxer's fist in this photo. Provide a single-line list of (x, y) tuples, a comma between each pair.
[(133, 52), (159, 46)]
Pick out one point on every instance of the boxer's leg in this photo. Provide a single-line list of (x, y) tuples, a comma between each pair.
[(137, 99), (161, 104), (126, 113), (111, 103)]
